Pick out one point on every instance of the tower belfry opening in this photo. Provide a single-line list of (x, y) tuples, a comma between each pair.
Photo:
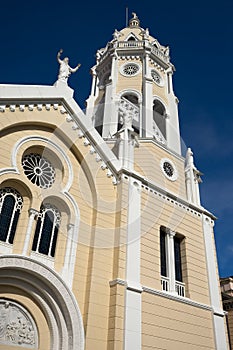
[(133, 71)]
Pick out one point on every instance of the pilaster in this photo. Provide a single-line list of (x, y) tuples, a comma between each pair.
[(213, 278), (33, 213), (171, 260), (110, 119), (172, 121), (132, 336), (147, 93)]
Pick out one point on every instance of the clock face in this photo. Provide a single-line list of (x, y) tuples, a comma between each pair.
[(168, 168)]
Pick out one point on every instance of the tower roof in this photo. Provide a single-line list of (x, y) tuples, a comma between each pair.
[(134, 21)]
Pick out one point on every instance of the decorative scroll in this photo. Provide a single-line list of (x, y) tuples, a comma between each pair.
[(16, 326)]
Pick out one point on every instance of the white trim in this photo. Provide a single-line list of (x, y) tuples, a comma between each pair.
[(44, 259), (67, 276), (36, 138), (167, 295), (121, 69), (161, 83), (129, 35), (158, 98), (32, 214), (176, 297), (218, 320), (131, 92), (174, 176), (133, 312), (5, 248), (54, 298)]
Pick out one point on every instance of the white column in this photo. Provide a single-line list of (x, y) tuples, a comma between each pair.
[(110, 119), (171, 260), (132, 336), (32, 214), (172, 121), (147, 115), (197, 192), (70, 233), (213, 278), (70, 255), (91, 99), (192, 179), (73, 251)]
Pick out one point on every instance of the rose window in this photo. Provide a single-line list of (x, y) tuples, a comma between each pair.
[(156, 77), (168, 168), (38, 170), (130, 69)]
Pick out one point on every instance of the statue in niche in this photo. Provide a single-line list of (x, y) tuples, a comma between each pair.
[(65, 70), (126, 118)]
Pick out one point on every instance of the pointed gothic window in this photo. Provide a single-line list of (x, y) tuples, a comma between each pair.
[(11, 203), (46, 233)]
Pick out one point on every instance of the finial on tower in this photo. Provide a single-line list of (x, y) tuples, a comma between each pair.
[(134, 22)]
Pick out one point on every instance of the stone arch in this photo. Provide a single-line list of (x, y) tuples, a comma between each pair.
[(51, 294), (131, 99), (160, 115)]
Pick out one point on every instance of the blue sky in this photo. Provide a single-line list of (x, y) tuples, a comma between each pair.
[(200, 38)]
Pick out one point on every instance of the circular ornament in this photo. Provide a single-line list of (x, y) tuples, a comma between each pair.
[(38, 170), (168, 169), (130, 69)]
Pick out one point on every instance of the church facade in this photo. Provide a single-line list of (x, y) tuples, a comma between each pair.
[(104, 243)]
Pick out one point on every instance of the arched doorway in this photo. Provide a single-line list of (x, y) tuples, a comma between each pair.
[(48, 300)]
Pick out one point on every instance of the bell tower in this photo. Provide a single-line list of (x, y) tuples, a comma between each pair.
[(134, 73)]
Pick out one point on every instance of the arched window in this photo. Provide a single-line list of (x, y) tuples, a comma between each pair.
[(129, 102), (159, 116), (11, 203), (48, 223)]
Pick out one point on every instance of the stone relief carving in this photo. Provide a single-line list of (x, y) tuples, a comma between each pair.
[(16, 326)]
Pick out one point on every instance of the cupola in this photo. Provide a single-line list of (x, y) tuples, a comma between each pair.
[(133, 73)]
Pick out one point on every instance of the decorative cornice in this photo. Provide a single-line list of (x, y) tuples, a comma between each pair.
[(178, 298), (31, 106), (168, 295)]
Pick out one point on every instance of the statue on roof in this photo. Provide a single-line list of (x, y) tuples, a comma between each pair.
[(65, 70), (145, 34), (117, 34)]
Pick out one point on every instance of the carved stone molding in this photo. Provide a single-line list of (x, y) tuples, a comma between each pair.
[(17, 326)]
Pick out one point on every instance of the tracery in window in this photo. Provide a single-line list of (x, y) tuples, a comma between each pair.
[(45, 238), (38, 170), (130, 69), (11, 203)]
